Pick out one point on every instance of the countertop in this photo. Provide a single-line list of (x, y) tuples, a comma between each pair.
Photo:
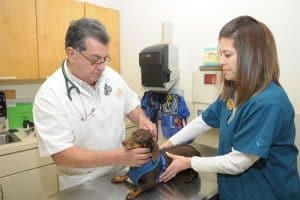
[(203, 187), (29, 141)]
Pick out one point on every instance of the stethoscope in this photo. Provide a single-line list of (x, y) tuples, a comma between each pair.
[(69, 89)]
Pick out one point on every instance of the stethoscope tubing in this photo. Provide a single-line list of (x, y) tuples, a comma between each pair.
[(67, 82)]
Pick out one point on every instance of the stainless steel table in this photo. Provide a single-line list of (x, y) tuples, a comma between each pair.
[(203, 187)]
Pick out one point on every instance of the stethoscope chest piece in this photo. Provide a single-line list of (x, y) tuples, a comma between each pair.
[(84, 115)]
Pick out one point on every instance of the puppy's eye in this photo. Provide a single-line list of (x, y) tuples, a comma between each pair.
[(139, 138)]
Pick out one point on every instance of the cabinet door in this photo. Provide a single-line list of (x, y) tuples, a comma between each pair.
[(110, 19), (53, 19), (21, 161), (29, 185), (18, 41)]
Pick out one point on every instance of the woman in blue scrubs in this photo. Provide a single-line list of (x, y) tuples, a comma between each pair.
[(257, 157)]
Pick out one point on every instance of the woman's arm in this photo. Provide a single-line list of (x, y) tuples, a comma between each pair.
[(232, 163)]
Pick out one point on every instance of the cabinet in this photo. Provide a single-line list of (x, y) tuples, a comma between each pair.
[(23, 175), (18, 41), (51, 30), (206, 85), (110, 19), (33, 34)]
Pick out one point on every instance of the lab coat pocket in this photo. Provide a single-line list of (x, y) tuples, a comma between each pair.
[(109, 105), (67, 181)]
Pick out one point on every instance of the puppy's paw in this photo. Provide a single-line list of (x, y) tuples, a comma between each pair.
[(189, 178), (133, 194), (119, 179)]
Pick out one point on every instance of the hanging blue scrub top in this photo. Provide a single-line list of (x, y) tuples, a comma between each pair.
[(262, 126)]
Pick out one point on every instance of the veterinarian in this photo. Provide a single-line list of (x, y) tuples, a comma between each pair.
[(79, 111), (257, 157)]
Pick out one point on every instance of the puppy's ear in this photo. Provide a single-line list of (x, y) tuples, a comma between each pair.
[(155, 150)]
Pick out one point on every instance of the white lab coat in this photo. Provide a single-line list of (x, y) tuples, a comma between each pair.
[(59, 126)]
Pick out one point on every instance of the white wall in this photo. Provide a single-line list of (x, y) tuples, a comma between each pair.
[(25, 90), (196, 24)]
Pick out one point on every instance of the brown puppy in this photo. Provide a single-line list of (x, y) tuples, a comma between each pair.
[(146, 176)]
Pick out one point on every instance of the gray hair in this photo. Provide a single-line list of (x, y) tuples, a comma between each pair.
[(83, 28)]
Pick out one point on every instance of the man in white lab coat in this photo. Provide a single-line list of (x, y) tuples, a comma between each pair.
[(79, 111)]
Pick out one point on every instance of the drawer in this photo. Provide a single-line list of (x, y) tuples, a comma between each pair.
[(43, 182), (21, 161)]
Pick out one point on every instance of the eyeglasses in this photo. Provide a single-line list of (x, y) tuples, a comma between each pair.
[(94, 62)]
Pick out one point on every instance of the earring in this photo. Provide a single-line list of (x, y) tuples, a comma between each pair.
[(230, 104)]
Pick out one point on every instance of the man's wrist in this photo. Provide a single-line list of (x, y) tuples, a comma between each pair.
[(141, 118), (119, 157)]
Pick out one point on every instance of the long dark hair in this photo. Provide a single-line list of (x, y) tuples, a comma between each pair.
[(257, 62)]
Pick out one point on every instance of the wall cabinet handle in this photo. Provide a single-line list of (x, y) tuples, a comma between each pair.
[(8, 77)]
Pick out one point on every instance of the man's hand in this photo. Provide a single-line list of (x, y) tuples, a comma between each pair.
[(178, 164), (138, 117), (134, 157), (146, 124)]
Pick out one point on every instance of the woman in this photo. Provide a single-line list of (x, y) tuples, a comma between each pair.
[(257, 158)]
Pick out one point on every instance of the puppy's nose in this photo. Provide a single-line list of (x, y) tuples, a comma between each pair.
[(124, 143)]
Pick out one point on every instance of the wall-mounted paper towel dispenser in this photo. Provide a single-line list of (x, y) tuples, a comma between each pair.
[(159, 67)]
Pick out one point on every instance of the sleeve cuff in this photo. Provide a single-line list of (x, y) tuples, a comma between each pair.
[(48, 152), (135, 103), (194, 163)]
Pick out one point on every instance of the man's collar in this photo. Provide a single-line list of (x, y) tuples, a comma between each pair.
[(80, 82)]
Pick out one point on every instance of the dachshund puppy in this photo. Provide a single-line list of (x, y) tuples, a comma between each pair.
[(146, 176)]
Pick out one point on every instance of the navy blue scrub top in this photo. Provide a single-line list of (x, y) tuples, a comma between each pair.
[(263, 126)]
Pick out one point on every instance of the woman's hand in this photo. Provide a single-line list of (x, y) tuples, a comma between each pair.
[(166, 145), (178, 164)]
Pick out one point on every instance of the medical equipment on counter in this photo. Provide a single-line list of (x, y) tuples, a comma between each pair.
[(86, 115)]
